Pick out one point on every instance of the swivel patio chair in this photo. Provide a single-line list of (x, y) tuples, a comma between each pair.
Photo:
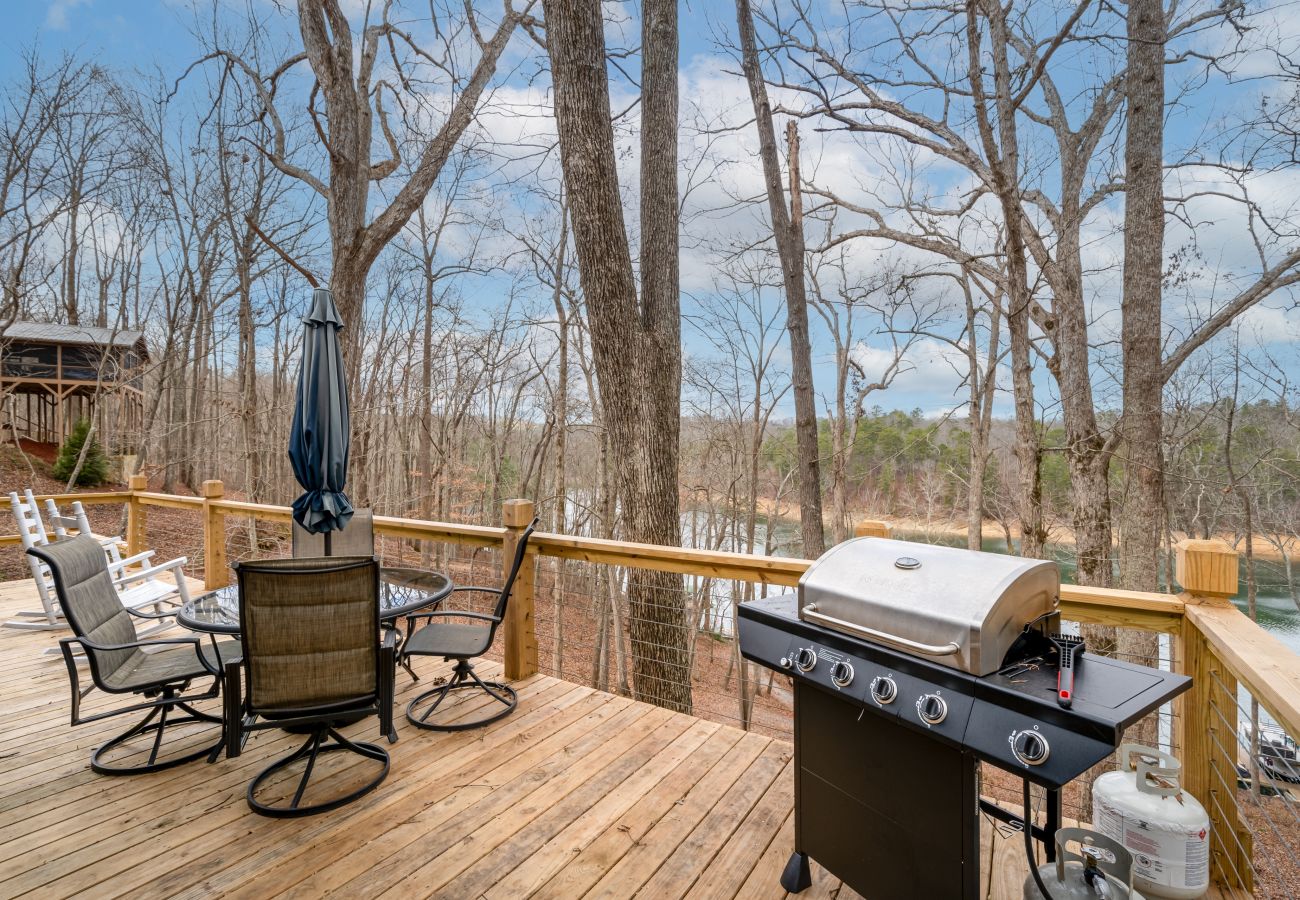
[(463, 642), (313, 662), (357, 538), (120, 662)]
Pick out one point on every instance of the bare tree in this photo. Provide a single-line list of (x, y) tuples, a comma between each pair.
[(843, 301), (352, 89), (636, 340), (1144, 229), (979, 344), (741, 386), (1008, 82), (787, 229)]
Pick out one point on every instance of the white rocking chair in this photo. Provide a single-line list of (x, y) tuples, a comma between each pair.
[(139, 588)]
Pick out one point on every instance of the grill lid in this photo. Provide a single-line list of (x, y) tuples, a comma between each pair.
[(960, 608)]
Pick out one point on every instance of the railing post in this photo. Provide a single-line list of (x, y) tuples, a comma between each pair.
[(873, 528), (520, 623), (135, 515), (1206, 730), (216, 573)]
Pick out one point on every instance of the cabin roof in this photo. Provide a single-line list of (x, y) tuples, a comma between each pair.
[(81, 335)]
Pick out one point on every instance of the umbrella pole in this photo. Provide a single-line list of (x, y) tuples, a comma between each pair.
[(328, 535)]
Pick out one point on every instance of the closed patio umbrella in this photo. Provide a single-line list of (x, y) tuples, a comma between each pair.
[(321, 432)]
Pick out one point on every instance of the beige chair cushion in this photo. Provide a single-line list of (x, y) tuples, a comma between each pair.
[(310, 630)]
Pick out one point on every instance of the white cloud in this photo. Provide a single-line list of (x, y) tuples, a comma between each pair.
[(932, 370), (56, 17)]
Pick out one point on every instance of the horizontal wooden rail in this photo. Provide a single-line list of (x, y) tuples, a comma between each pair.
[(781, 570), (1161, 613), (393, 526), (169, 501), (90, 498), (262, 511), (1261, 663), (447, 532)]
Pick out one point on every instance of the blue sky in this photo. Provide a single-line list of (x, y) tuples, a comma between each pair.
[(124, 32), (154, 34)]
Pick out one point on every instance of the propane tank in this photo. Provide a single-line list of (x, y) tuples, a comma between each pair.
[(1101, 869), (1144, 807)]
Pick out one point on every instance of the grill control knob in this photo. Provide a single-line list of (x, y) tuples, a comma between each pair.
[(932, 709), (806, 659), (785, 662), (842, 674), (884, 690), (1030, 747)]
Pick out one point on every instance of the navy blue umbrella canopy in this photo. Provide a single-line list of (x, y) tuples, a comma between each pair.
[(321, 433)]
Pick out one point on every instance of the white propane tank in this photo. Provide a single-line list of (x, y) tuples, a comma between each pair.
[(1164, 827), (1101, 869)]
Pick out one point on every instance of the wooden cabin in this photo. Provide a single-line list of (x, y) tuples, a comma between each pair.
[(51, 376)]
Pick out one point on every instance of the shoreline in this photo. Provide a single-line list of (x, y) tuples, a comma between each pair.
[(1060, 535)]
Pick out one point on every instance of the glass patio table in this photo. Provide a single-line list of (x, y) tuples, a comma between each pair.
[(401, 591)]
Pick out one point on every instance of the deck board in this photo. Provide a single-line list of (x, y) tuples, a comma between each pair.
[(579, 793)]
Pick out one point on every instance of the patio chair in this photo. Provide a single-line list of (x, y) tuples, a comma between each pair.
[(313, 662), (159, 669), (139, 588), (357, 538), (463, 642)]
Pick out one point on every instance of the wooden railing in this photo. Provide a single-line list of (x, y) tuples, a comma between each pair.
[(1212, 641)]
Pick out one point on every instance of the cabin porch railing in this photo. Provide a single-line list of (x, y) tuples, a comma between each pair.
[(1234, 663)]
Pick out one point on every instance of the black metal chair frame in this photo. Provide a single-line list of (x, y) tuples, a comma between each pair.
[(323, 719), (464, 677), (164, 695)]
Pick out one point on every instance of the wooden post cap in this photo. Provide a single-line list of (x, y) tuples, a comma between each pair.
[(517, 513), (138, 482), (1206, 568), (873, 528), (213, 488)]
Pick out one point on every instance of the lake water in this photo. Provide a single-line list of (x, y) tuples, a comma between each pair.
[(1275, 610)]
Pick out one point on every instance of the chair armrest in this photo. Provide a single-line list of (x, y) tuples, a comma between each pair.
[(132, 645), (481, 590), (144, 615), (131, 560), (389, 640), (192, 641), (453, 613), (150, 571)]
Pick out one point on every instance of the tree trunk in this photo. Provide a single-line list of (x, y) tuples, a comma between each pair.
[(71, 306), (348, 93), (636, 345), (1144, 227), (1003, 153), (975, 488), (560, 518), (787, 228)]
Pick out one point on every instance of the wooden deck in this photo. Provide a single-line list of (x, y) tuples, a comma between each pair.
[(579, 793)]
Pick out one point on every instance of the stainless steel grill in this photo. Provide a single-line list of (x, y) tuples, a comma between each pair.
[(960, 608), (912, 664)]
